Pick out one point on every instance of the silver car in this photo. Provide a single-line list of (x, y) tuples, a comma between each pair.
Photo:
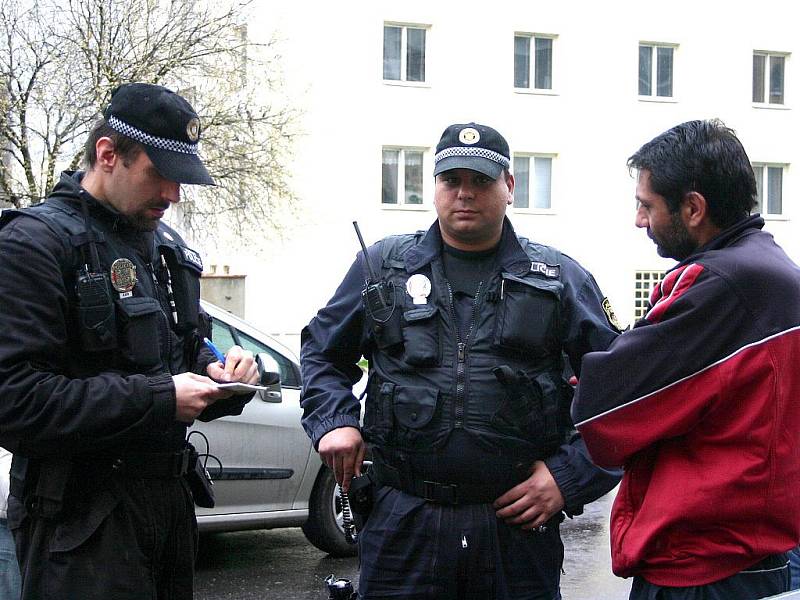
[(270, 475)]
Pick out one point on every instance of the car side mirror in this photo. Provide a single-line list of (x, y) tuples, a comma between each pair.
[(269, 377)]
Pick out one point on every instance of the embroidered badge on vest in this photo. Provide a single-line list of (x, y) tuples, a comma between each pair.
[(551, 271)]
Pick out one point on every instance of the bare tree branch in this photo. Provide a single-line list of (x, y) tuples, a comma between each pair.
[(61, 59)]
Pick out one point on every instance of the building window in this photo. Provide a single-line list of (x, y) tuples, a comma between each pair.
[(769, 182), (656, 70), (768, 72), (403, 53), (644, 284), (536, 65), (533, 181), (402, 176)]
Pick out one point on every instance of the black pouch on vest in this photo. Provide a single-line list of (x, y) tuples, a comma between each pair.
[(414, 407), (138, 321), (421, 337), (185, 267), (527, 315), (378, 411), (384, 321), (96, 318)]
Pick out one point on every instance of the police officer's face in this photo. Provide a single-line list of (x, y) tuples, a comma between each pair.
[(139, 192), (471, 207), (666, 229)]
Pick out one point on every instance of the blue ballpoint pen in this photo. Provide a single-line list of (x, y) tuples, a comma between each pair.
[(220, 356)]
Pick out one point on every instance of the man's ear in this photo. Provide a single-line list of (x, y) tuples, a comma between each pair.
[(106, 153), (694, 210), (510, 184)]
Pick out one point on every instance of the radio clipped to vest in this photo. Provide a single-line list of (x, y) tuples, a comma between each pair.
[(380, 302), (96, 316)]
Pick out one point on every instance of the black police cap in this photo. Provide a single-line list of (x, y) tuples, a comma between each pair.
[(472, 146), (165, 124)]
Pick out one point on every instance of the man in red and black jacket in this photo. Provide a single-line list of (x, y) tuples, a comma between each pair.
[(699, 400)]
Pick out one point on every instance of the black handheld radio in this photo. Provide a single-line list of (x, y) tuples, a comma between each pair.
[(378, 295)]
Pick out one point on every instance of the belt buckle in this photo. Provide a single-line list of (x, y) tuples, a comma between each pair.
[(442, 493)]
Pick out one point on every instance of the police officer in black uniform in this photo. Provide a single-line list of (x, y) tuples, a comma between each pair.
[(101, 365), (467, 414)]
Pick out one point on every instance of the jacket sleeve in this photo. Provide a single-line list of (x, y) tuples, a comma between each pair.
[(650, 384), (331, 346), (42, 410), (585, 328)]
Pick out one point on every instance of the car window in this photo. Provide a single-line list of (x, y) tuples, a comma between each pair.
[(221, 335), (287, 371)]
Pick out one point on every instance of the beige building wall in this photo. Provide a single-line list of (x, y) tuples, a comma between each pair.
[(590, 122)]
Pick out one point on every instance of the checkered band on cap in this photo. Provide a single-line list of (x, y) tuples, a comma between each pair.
[(151, 140), (472, 151)]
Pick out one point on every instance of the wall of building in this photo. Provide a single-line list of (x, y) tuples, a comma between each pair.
[(591, 122)]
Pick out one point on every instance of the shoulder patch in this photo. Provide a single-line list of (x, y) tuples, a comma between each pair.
[(551, 271), (611, 315), (192, 256)]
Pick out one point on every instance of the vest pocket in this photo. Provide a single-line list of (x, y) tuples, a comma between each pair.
[(421, 337), (139, 331), (414, 408), (378, 410), (527, 315)]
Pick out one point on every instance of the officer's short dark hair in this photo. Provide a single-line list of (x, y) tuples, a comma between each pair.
[(126, 148), (704, 157)]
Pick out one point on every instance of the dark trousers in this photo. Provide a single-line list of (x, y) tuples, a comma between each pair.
[(766, 578), (411, 549), (127, 539)]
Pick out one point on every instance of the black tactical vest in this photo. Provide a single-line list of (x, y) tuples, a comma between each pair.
[(502, 382), (150, 328)]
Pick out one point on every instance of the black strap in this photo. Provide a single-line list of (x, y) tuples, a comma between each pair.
[(437, 491)]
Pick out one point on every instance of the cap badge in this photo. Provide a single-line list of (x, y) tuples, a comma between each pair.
[(123, 275), (419, 288), (469, 136), (193, 129)]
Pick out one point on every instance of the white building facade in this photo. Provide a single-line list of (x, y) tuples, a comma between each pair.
[(575, 87)]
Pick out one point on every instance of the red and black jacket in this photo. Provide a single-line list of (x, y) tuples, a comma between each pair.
[(700, 402)]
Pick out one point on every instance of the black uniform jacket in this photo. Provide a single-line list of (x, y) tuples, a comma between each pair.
[(57, 399)]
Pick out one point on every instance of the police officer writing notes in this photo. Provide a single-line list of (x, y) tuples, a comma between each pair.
[(699, 400), (467, 414), (101, 369)]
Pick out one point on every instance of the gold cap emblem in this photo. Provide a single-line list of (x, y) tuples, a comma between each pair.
[(193, 129), (469, 136)]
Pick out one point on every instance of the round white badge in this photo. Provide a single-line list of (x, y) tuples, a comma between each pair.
[(469, 136), (419, 288)]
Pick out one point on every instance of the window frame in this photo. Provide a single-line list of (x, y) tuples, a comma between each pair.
[(653, 96), (401, 180), (781, 216), (404, 27), (649, 278), (532, 63), (768, 55), (532, 180)]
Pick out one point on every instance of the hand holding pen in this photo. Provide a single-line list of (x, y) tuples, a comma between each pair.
[(238, 365)]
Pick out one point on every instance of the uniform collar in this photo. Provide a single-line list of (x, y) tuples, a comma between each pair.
[(510, 254)]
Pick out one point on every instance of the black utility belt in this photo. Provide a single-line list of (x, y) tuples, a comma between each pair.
[(145, 465), (438, 491)]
